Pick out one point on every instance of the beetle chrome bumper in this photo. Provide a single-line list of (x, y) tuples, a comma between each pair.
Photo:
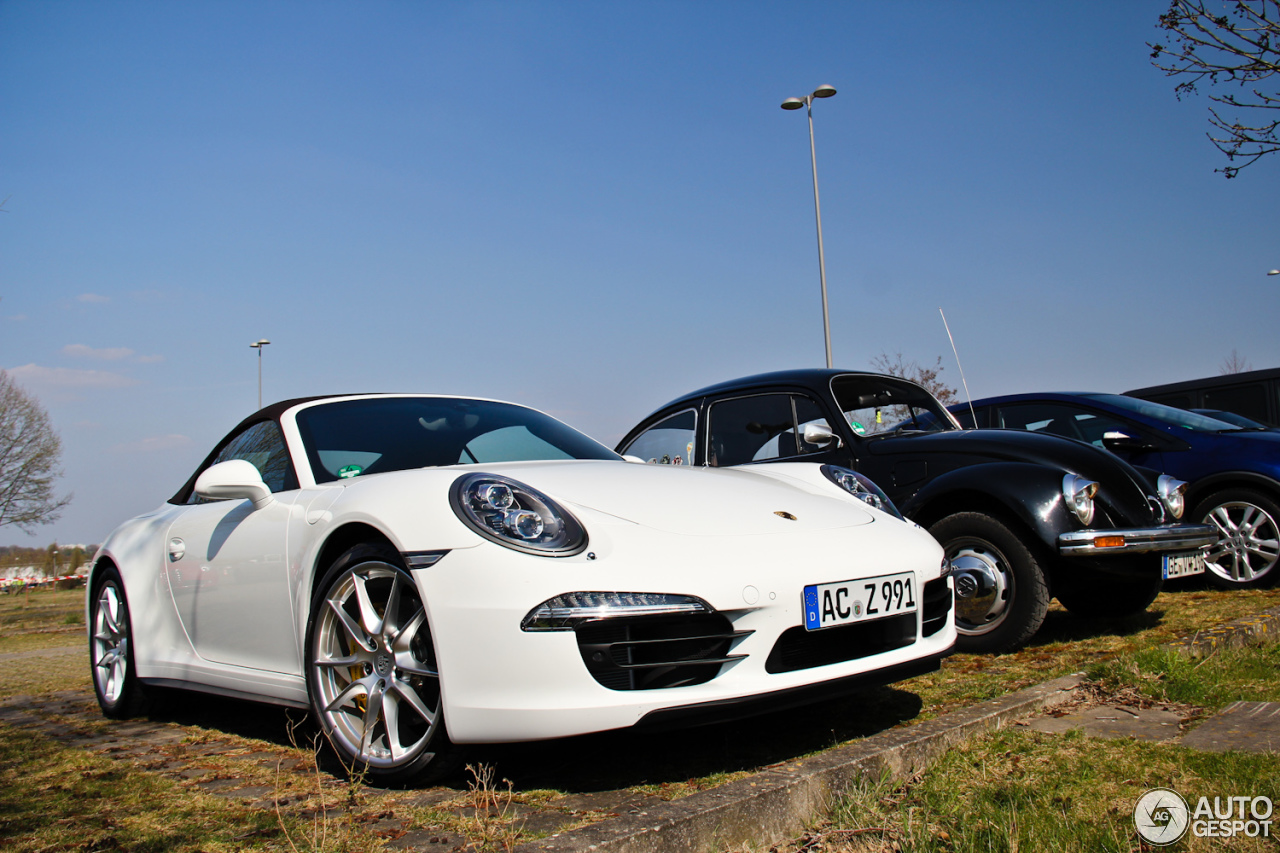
[(1168, 537)]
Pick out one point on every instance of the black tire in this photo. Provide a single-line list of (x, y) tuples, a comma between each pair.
[(1094, 594), (1001, 590), (111, 649), (1248, 553), (383, 658)]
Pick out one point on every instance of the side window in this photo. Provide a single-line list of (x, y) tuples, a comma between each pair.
[(263, 446), (668, 442), (761, 428), (1066, 421)]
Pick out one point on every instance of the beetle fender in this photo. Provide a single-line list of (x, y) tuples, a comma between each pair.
[(1030, 493)]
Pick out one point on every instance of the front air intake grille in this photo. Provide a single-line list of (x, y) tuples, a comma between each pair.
[(801, 649), (935, 605), (650, 652)]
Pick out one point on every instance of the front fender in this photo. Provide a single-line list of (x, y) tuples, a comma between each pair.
[(1032, 494)]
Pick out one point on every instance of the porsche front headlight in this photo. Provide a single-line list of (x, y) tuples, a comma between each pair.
[(1079, 493), (1173, 494), (861, 487), (515, 515)]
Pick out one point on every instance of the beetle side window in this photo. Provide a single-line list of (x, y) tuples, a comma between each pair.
[(668, 442), (761, 428), (262, 446)]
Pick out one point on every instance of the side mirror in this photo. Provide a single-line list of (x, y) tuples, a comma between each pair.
[(819, 435), (1120, 442), (234, 478)]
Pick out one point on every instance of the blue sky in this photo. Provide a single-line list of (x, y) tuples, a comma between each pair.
[(591, 208)]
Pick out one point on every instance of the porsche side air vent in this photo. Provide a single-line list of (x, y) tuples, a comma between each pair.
[(935, 605), (650, 652), (801, 649)]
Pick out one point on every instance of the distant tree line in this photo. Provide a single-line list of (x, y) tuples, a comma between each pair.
[(53, 560)]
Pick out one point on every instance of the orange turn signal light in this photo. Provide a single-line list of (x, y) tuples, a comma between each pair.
[(1109, 542)]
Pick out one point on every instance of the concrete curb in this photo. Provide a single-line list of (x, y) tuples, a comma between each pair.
[(1263, 627), (780, 802)]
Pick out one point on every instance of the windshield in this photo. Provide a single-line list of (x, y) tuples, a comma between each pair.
[(373, 435), (881, 405), (1165, 414)]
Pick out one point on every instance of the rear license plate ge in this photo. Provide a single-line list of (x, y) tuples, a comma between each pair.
[(829, 604)]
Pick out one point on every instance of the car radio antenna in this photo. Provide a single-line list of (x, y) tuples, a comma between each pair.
[(967, 395)]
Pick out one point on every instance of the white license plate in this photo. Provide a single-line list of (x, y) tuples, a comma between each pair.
[(1183, 564), (829, 604)]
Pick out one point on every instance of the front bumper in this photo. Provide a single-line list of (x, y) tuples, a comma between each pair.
[(1166, 537), (500, 683)]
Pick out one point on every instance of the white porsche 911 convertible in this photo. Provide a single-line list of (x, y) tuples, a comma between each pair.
[(424, 572)]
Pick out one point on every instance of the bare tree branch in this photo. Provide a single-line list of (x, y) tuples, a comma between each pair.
[(1227, 43), (929, 377)]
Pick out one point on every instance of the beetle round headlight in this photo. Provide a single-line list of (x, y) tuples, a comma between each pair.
[(515, 515), (1079, 493), (861, 487), (1173, 494)]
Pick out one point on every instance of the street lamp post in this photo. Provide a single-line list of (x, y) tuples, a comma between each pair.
[(795, 104), (258, 345)]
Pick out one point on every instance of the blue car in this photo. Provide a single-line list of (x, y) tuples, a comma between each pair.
[(1233, 471)]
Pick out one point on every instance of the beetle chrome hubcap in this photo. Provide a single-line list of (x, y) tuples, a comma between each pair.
[(982, 590), (375, 672), (1249, 545)]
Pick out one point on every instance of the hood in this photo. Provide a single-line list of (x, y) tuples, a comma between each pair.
[(691, 501), (1120, 484)]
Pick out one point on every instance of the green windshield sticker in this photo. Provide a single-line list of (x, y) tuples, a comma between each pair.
[(858, 428), (348, 471)]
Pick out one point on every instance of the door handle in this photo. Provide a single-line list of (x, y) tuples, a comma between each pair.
[(177, 549)]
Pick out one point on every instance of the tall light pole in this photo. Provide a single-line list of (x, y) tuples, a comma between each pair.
[(795, 104), (258, 345)]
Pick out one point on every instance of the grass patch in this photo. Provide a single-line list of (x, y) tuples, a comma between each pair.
[(1224, 676), (57, 798), (1022, 790), (41, 609), (1018, 789)]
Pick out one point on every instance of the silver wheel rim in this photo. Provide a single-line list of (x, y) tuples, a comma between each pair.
[(374, 667), (110, 643), (1249, 544), (982, 586)]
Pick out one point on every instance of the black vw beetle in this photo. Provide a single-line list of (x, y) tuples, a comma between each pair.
[(1022, 516)]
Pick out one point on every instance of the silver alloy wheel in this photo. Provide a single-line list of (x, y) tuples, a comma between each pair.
[(374, 667), (1249, 545), (982, 584), (110, 643)]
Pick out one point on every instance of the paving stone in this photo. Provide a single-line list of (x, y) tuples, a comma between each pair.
[(1239, 727), (428, 799), (222, 787), (254, 792), (615, 802), (1115, 721), (427, 841)]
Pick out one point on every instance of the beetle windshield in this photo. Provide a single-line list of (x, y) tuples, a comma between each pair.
[(376, 434), (1165, 414), (877, 406)]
